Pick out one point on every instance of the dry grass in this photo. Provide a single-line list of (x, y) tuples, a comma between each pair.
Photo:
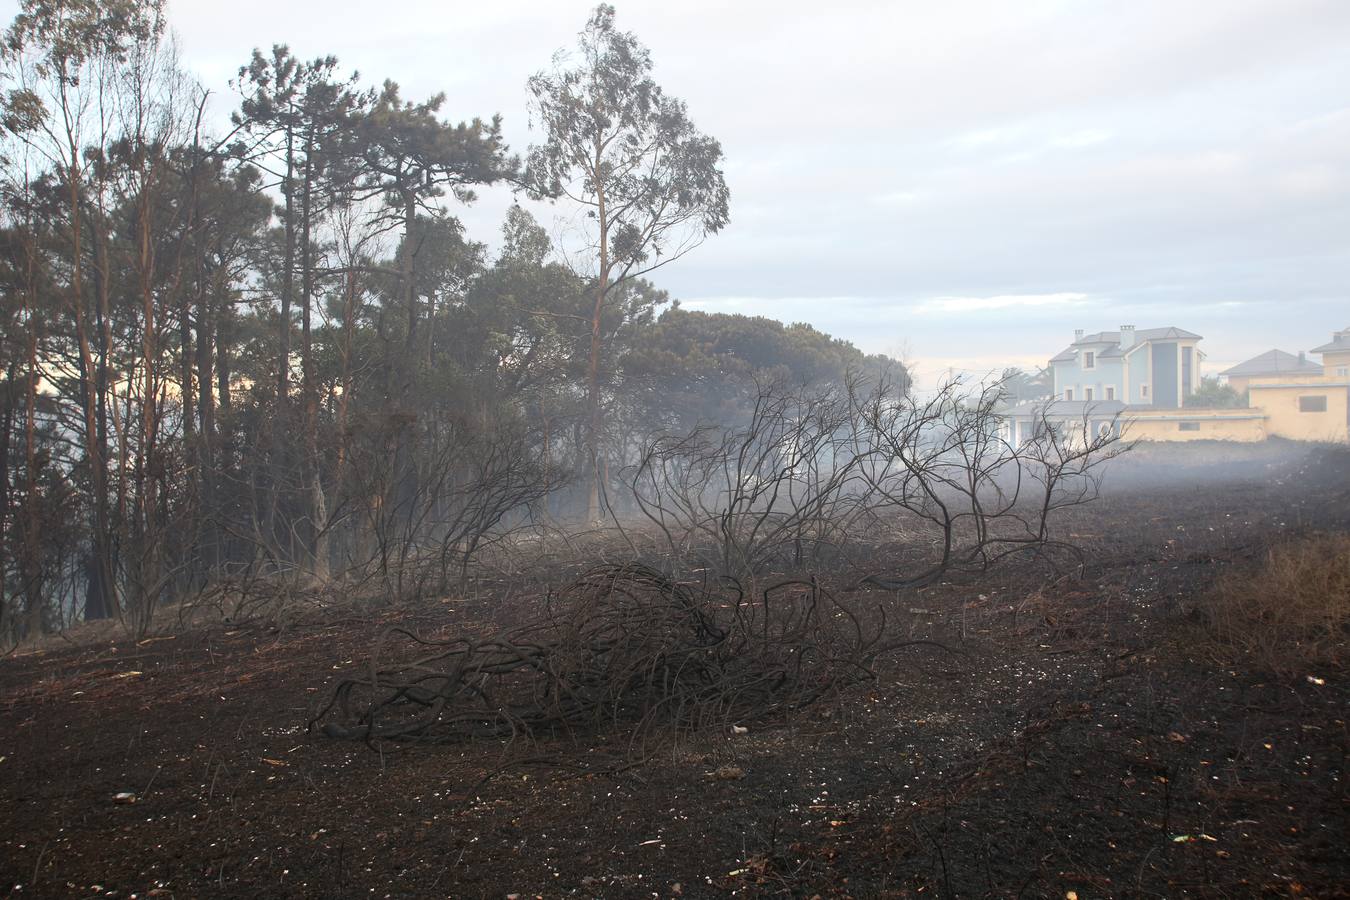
[(1290, 614)]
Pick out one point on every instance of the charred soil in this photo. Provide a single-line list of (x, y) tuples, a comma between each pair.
[(1081, 742)]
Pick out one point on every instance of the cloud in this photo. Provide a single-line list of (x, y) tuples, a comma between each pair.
[(987, 137), (1088, 137), (966, 305), (967, 179), (897, 198)]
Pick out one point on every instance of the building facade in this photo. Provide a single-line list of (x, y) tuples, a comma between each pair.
[(1336, 355), (1153, 367), (1140, 384)]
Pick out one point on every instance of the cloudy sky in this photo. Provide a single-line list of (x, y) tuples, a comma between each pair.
[(960, 183)]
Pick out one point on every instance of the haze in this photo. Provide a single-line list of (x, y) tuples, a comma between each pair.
[(363, 537)]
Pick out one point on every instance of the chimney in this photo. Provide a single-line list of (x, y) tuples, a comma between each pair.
[(1077, 335), (1126, 337), (1302, 357)]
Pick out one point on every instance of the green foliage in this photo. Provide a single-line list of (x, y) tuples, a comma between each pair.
[(412, 156), (281, 353), (66, 34), (626, 152), (727, 345), (704, 366), (1214, 394)]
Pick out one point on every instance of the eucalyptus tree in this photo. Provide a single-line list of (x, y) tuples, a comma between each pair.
[(59, 59), (647, 182), (157, 111), (23, 281)]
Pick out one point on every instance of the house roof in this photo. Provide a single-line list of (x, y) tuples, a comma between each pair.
[(1274, 362), (1112, 340), (1339, 343)]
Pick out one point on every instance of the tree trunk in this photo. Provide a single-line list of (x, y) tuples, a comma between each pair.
[(287, 281), (100, 597), (281, 420), (147, 466), (409, 286), (593, 364), (6, 435), (309, 387), (32, 539), (206, 426)]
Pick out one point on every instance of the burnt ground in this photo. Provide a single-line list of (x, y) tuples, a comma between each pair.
[(1082, 742)]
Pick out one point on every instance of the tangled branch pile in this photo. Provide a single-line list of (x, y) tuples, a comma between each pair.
[(621, 645)]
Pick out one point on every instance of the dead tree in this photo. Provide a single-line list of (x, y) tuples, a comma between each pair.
[(830, 468), (416, 527), (944, 470), (770, 491)]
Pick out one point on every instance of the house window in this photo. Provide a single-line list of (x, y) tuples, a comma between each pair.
[(1188, 426), (1089, 361), (1087, 394), (1143, 390), (1068, 393), (1312, 404), (1103, 429), (1110, 392), (1343, 371)]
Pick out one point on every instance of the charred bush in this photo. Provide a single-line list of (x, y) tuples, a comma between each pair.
[(772, 492), (813, 473), (622, 645)]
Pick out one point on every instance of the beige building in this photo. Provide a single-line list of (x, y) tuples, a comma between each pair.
[(1286, 395), (1298, 398), (1273, 364), (1336, 355)]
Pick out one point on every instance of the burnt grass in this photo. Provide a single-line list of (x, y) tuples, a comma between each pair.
[(1084, 739)]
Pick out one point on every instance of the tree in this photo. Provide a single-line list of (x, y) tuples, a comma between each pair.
[(299, 121), (60, 57), (1213, 394), (647, 181), (152, 119), (273, 356), (229, 224), (1021, 386), (412, 158), (522, 313), (691, 366)]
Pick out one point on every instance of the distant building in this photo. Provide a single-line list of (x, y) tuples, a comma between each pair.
[(1271, 364), (1336, 354), (1154, 367), (1139, 383)]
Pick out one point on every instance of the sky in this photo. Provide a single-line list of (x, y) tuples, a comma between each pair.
[(957, 184)]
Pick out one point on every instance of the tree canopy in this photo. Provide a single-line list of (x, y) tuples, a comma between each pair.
[(278, 351)]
